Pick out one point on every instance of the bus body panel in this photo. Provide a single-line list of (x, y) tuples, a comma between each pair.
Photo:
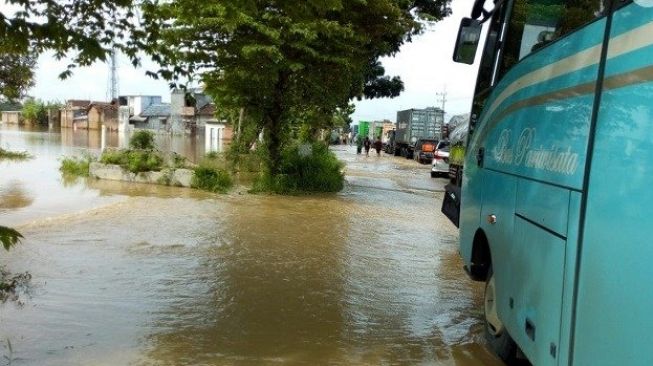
[(501, 204), (535, 285), (575, 205), (615, 296), (534, 130)]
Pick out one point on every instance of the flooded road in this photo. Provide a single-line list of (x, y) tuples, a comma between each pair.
[(147, 275)]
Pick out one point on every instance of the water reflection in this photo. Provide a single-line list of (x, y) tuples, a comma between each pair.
[(322, 281), (190, 146), (13, 196), (153, 275), (49, 192)]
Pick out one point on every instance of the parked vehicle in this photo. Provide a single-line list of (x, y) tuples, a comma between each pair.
[(440, 164), (423, 150), (559, 233), (413, 125)]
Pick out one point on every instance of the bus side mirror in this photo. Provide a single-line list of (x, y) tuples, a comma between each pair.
[(469, 35)]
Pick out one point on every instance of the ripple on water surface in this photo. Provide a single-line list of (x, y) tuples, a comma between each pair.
[(161, 276)]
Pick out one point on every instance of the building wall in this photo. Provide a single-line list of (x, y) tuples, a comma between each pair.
[(67, 118), (177, 104), (94, 119), (10, 117), (138, 103)]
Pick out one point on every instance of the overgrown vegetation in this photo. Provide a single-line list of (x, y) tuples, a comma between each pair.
[(73, 166), (211, 179), (141, 157), (135, 161), (36, 111), (212, 174), (14, 155), (305, 168), (142, 140)]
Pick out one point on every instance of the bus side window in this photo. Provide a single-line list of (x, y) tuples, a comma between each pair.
[(536, 23)]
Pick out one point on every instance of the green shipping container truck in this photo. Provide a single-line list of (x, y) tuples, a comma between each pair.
[(364, 128)]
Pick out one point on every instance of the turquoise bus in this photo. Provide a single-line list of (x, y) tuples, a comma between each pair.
[(558, 179)]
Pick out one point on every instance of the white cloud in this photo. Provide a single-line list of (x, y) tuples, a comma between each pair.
[(93, 82), (425, 65)]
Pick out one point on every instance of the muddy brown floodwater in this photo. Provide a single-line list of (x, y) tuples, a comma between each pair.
[(146, 275)]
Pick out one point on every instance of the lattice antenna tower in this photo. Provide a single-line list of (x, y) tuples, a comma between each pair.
[(112, 85), (113, 64)]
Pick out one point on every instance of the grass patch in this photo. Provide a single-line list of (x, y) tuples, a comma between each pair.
[(75, 166), (135, 161), (211, 179), (14, 155), (304, 169)]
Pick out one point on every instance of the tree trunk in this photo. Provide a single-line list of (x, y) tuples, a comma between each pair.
[(273, 142), (240, 123), (273, 125)]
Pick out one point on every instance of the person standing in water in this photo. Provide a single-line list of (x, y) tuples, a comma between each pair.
[(359, 144), (378, 145), (368, 144)]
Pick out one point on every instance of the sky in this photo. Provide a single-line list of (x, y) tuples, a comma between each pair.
[(425, 65)]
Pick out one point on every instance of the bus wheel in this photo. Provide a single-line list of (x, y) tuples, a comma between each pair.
[(495, 332)]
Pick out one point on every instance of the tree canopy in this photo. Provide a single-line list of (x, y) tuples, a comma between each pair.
[(279, 58), (16, 72), (85, 30)]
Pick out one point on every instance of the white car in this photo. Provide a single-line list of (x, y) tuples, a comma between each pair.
[(440, 164)]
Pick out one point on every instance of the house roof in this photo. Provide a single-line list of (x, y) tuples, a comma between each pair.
[(78, 103), (103, 106), (156, 110), (207, 110)]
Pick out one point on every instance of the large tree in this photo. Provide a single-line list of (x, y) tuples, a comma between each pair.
[(282, 58)]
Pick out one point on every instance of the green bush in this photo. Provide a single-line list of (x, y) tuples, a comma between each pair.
[(135, 161), (304, 169), (211, 179), (75, 166), (115, 157), (143, 140), (143, 161), (177, 161), (212, 155)]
